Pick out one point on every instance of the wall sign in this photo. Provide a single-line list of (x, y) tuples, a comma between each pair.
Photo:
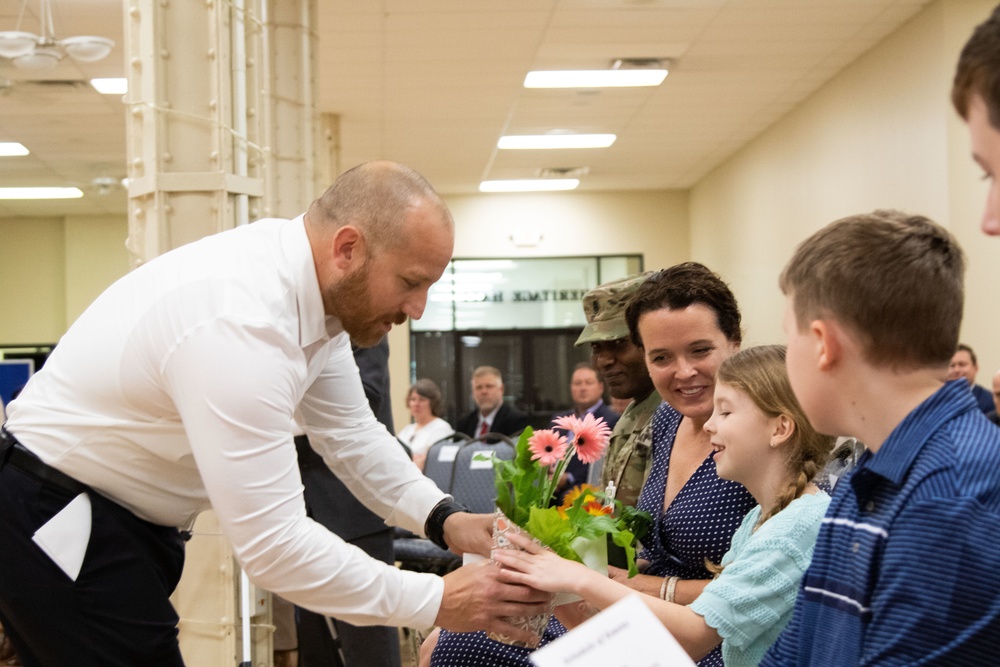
[(530, 293)]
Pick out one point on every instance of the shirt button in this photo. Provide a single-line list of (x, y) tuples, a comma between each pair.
[(870, 506), (855, 547)]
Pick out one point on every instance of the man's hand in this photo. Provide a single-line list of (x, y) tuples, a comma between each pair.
[(469, 533), (474, 599)]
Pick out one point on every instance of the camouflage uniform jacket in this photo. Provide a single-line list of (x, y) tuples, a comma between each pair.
[(628, 456)]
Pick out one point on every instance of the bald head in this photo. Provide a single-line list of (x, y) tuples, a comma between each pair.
[(375, 197)]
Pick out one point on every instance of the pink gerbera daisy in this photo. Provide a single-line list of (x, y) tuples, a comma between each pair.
[(547, 446), (590, 437), (568, 423)]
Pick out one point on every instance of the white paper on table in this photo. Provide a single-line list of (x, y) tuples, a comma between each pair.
[(626, 634), (64, 537)]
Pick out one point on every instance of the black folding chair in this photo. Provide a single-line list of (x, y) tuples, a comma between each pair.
[(440, 463), (472, 480), (419, 554), (843, 459)]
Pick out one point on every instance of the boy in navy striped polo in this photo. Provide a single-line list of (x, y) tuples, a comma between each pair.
[(905, 571), (975, 93)]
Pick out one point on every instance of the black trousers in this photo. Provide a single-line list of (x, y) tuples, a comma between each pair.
[(116, 612), (362, 646)]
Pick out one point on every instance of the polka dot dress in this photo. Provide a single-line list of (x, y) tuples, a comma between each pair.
[(700, 521), (475, 649)]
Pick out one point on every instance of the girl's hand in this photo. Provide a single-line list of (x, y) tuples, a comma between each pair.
[(539, 568)]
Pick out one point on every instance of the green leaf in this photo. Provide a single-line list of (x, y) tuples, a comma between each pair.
[(635, 520), (552, 530), (626, 540), (523, 457)]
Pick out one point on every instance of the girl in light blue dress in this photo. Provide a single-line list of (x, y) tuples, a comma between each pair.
[(762, 440)]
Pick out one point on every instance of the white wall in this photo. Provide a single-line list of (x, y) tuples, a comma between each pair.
[(651, 224), (32, 276), (881, 134), (52, 268)]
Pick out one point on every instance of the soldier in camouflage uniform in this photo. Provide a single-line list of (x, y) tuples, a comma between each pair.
[(623, 370)]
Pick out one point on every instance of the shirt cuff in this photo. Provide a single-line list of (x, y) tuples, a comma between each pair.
[(415, 506)]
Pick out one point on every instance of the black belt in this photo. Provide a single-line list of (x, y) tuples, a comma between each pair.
[(13, 453)]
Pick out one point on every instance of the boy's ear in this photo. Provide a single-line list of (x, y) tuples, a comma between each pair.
[(348, 247), (784, 427), (829, 345)]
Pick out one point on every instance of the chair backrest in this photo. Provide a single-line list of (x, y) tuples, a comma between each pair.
[(842, 461), (440, 462), (472, 480)]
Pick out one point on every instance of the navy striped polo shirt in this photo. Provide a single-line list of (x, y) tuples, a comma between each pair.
[(906, 569)]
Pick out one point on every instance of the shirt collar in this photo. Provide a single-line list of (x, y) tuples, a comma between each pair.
[(594, 408), (490, 417), (897, 454), (314, 325)]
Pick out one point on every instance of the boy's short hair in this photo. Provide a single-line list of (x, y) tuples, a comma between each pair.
[(894, 279), (977, 71)]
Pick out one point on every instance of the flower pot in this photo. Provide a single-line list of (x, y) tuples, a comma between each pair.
[(502, 527)]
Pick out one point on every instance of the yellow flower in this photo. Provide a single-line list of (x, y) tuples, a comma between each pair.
[(574, 493)]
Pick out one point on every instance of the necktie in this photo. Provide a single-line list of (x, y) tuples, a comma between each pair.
[(484, 429)]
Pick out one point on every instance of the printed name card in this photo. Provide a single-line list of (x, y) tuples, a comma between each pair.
[(482, 461), (447, 453), (626, 634)]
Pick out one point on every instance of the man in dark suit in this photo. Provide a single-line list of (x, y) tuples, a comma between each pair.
[(587, 392), (330, 503), (491, 415), (965, 365)]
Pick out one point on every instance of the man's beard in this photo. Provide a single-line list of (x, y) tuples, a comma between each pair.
[(352, 299)]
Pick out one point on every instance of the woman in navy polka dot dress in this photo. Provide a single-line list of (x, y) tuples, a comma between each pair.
[(687, 322)]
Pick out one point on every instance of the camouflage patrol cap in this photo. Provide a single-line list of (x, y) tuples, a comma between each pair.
[(604, 307)]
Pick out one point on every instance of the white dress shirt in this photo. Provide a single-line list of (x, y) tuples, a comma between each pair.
[(487, 421), (419, 440), (174, 392)]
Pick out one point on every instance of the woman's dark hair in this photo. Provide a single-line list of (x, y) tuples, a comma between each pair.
[(681, 286), (429, 390)]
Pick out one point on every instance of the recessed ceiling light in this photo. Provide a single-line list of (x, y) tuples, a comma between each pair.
[(12, 149), (530, 185), (40, 193), (117, 86), (597, 78), (532, 141)]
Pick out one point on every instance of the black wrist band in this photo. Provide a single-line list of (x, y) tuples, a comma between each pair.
[(434, 527)]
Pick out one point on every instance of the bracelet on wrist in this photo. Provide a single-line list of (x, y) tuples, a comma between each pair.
[(434, 527), (671, 589)]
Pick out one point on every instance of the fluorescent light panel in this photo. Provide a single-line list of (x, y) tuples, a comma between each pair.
[(530, 185), (534, 141), (110, 86), (597, 78), (12, 149), (40, 193)]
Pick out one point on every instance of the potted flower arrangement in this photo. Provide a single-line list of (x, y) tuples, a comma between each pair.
[(578, 530)]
